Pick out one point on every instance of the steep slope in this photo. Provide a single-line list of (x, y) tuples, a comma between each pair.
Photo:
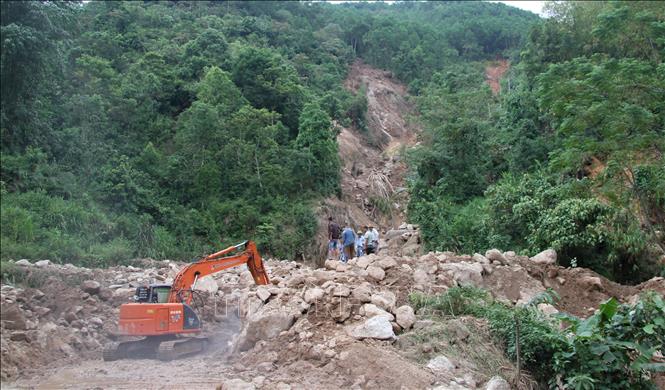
[(373, 166)]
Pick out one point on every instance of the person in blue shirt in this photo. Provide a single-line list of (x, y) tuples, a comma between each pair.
[(360, 243), (348, 242)]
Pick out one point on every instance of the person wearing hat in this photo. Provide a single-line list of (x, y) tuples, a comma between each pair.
[(360, 244)]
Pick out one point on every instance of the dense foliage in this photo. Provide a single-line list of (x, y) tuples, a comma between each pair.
[(167, 129), (612, 349), (569, 156)]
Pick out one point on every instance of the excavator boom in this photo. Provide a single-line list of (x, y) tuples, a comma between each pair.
[(181, 290)]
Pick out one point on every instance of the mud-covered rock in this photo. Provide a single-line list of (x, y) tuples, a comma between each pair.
[(313, 294), (496, 255), (370, 310), (265, 324), (478, 258), (405, 316), (591, 282), (362, 294), (421, 278), (548, 309), (440, 365), (376, 273), (385, 300), (386, 263), (91, 286), (12, 317), (206, 284), (497, 383), (364, 261), (341, 290), (263, 293), (465, 274), (331, 264)]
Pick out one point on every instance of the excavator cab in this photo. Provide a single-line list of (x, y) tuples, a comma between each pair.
[(154, 293)]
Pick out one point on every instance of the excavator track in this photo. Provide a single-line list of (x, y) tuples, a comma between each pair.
[(113, 351), (174, 349), (146, 348)]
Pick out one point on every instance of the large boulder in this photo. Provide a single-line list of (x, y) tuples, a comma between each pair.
[(43, 263), (263, 293), (313, 294), (547, 309), (13, 318), (395, 233), (440, 365), (386, 263), (497, 383), (322, 276), (546, 257), (362, 294), (420, 278), (405, 317), (496, 255), (341, 290), (591, 282), (410, 250), (364, 261), (385, 300), (23, 263), (266, 323), (378, 327), (478, 258), (331, 264), (370, 310), (91, 286), (206, 284), (465, 274), (376, 273)]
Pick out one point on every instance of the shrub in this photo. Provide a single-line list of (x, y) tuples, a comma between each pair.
[(612, 349)]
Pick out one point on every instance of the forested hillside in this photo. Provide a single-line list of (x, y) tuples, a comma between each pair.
[(167, 129), (569, 156)]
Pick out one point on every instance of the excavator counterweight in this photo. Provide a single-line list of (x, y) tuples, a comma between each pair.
[(162, 314)]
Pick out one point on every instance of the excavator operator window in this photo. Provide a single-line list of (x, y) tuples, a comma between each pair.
[(152, 294)]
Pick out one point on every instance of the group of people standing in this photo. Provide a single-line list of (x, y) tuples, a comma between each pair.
[(345, 244)]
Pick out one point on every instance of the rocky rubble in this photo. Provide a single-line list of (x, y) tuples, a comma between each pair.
[(307, 324)]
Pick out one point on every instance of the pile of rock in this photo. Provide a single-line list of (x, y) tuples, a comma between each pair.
[(403, 241)]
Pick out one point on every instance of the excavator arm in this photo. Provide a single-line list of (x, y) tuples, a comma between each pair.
[(181, 289)]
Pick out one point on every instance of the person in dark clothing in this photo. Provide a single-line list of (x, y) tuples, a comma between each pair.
[(333, 239)]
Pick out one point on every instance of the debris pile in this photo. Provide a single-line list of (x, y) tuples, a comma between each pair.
[(342, 325)]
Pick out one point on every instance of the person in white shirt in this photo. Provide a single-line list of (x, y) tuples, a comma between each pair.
[(371, 240)]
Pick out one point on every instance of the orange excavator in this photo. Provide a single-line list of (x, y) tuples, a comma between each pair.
[(162, 315)]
